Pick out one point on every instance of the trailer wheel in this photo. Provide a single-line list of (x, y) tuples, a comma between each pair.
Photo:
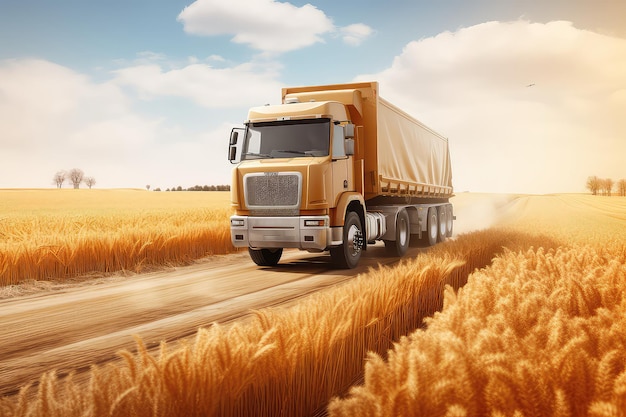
[(348, 254), (442, 219), (432, 227), (265, 257), (399, 246), (449, 221)]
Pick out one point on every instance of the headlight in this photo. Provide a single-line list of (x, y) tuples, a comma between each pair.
[(237, 222), (315, 223)]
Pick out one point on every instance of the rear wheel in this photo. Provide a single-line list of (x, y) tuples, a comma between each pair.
[(265, 257), (449, 221), (432, 227), (348, 254), (399, 246), (442, 219)]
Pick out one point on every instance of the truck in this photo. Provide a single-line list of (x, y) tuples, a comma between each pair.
[(337, 168)]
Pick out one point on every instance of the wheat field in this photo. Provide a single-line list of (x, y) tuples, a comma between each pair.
[(56, 234), (526, 318), (539, 332)]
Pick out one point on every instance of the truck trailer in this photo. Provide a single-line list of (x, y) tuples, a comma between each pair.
[(337, 168)]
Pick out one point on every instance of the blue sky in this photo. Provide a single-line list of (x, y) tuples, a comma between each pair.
[(145, 92)]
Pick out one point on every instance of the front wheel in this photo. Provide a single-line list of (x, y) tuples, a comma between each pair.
[(348, 254), (265, 257)]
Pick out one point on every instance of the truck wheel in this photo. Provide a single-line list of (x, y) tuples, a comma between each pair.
[(348, 254), (449, 221), (399, 246), (432, 227), (442, 219), (265, 257)]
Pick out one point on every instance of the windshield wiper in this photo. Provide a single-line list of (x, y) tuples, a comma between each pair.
[(289, 151), (260, 155)]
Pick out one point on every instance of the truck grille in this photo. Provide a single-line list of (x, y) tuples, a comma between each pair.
[(273, 193)]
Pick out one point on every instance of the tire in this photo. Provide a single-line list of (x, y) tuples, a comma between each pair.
[(449, 221), (399, 246), (442, 219), (432, 227), (265, 257), (348, 254)]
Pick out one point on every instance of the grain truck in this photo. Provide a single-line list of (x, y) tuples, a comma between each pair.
[(337, 168)]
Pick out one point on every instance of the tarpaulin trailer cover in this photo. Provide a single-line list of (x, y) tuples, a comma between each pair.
[(412, 158)]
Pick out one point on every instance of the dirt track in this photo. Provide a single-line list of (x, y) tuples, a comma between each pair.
[(78, 326)]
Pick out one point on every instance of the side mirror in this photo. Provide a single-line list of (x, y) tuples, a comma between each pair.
[(349, 143), (348, 131), (233, 148), (234, 135)]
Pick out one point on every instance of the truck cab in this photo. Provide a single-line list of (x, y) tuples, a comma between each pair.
[(295, 164)]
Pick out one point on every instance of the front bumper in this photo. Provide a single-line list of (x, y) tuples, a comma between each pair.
[(302, 232)]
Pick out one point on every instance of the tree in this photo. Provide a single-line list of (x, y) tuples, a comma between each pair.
[(593, 184), (607, 186), (621, 187), (148, 187), (76, 177), (59, 178), (90, 182)]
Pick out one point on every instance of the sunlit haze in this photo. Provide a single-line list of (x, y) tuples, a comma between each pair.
[(532, 97)]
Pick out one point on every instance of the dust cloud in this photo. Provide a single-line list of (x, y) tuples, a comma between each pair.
[(477, 211)]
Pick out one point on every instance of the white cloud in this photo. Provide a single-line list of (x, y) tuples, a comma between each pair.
[(242, 85), (54, 118), (356, 33), (216, 58), (471, 85), (40, 102), (149, 56), (266, 25)]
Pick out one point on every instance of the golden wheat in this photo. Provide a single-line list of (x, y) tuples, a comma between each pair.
[(538, 332), (284, 361), (538, 329), (535, 334), (54, 234)]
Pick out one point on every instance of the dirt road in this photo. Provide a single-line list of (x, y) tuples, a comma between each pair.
[(82, 325)]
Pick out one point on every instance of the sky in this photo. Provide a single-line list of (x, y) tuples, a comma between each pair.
[(530, 94)]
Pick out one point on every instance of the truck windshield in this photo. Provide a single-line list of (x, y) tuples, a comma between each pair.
[(287, 139)]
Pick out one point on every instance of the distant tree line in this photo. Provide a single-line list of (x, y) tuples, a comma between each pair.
[(196, 188), (604, 186), (75, 176)]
